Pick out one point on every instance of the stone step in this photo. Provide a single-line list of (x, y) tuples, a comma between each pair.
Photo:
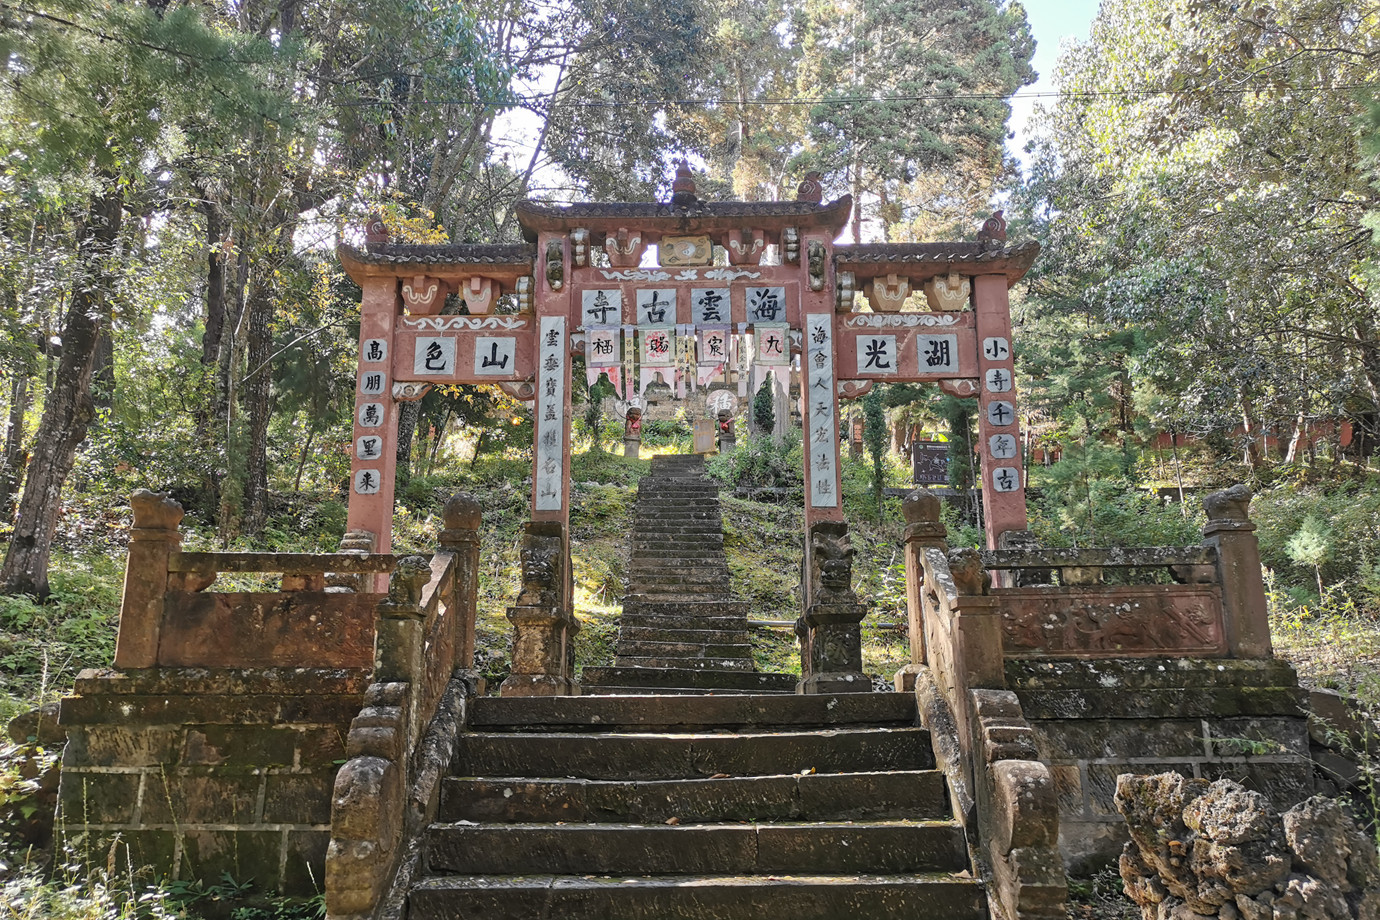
[(685, 663), (645, 648), (728, 849), (683, 587), (647, 532), (910, 794), (688, 677), (666, 551), (676, 662), (635, 756), (628, 633), (604, 691), (1124, 674), (643, 570), (545, 713), (691, 620), (717, 897)]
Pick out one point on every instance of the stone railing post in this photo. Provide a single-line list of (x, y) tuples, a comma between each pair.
[(152, 542), (399, 638), (1230, 531), (462, 517), (830, 637), (356, 543), (977, 636), (544, 624), (923, 529)]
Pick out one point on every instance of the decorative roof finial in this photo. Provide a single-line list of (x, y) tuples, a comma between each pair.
[(683, 187), (810, 190), (375, 232), (993, 232)]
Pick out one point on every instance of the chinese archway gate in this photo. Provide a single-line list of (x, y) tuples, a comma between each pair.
[(752, 286)]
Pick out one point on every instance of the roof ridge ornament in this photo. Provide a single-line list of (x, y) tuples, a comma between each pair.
[(810, 189), (375, 232), (993, 232), (683, 187)]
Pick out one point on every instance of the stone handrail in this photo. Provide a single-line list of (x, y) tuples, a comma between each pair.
[(169, 619), (400, 741), (1215, 609), (958, 674)]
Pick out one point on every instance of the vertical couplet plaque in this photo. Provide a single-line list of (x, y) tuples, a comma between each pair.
[(551, 381), (821, 439)]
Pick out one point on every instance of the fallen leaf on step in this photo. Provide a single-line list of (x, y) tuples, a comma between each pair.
[(673, 821), (719, 776)]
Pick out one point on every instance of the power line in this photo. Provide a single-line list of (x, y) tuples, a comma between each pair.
[(515, 101)]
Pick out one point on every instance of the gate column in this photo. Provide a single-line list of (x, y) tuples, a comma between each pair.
[(830, 638), (999, 434), (544, 616)]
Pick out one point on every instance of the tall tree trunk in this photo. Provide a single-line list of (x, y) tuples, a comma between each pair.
[(255, 393), (14, 457), (408, 415), (68, 409), (103, 370)]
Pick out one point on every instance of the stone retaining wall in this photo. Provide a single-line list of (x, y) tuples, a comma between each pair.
[(201, 772), (1202, 718)]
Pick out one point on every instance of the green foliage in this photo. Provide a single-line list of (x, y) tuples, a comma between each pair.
[(763, 412), (875, 440), (1323, 536), (760, 461)]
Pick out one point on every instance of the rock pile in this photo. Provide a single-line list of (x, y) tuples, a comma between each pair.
[(1217, 850)]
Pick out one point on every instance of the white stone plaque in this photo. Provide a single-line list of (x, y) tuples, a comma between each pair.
[(995, 348), (603, 307), (1006, 479), (370, 414), (368, 482), (373, 351), (494, 356), (435, 355), (601, 346), (997, 380), (369, 447), (371, 383), (766, 304), (656, 306), (551, 382), (937, 353), (821, 404), (1002, 446), (876, 354), (1001, 413), (709, 305)]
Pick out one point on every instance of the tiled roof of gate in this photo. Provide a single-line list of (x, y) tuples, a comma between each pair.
[(441, 253), (872, 259), (698, 217)]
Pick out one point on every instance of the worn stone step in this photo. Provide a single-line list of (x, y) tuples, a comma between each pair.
[(911, 794), (730, 849), (543, 713), (663, 529), (687, 621), (660, 551), (602, 691), (638, 605), (642, 571), (1171, 703), (687, 755), (647, 648), (683, 587), (828, 897), (687, 663), (627, 633), (688, 677), (1122, 674)]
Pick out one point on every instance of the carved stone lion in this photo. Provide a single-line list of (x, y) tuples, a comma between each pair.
[(1232, 504), (965, 565), (831, 556), (407, 581), (541, 570)]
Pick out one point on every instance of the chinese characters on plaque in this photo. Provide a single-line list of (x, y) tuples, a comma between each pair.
[(709, 305), (550, 408), (876, 354), (821, 437), (656, 307), (937, 353), (995, 361), (601, 308), (494, 355), (434, 355)]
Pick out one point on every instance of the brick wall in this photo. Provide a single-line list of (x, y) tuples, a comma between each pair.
[(199, 772)]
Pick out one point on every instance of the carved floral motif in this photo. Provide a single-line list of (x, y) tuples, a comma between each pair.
[(1110, 621)]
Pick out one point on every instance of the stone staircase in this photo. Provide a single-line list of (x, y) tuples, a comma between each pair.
[(722, 807), (681, 630)]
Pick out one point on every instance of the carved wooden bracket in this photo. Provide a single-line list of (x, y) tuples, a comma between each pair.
[(625, 248), (478, 294), (579, 247), (423, 295), (948, 293), (745, 247), (888, 294)]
